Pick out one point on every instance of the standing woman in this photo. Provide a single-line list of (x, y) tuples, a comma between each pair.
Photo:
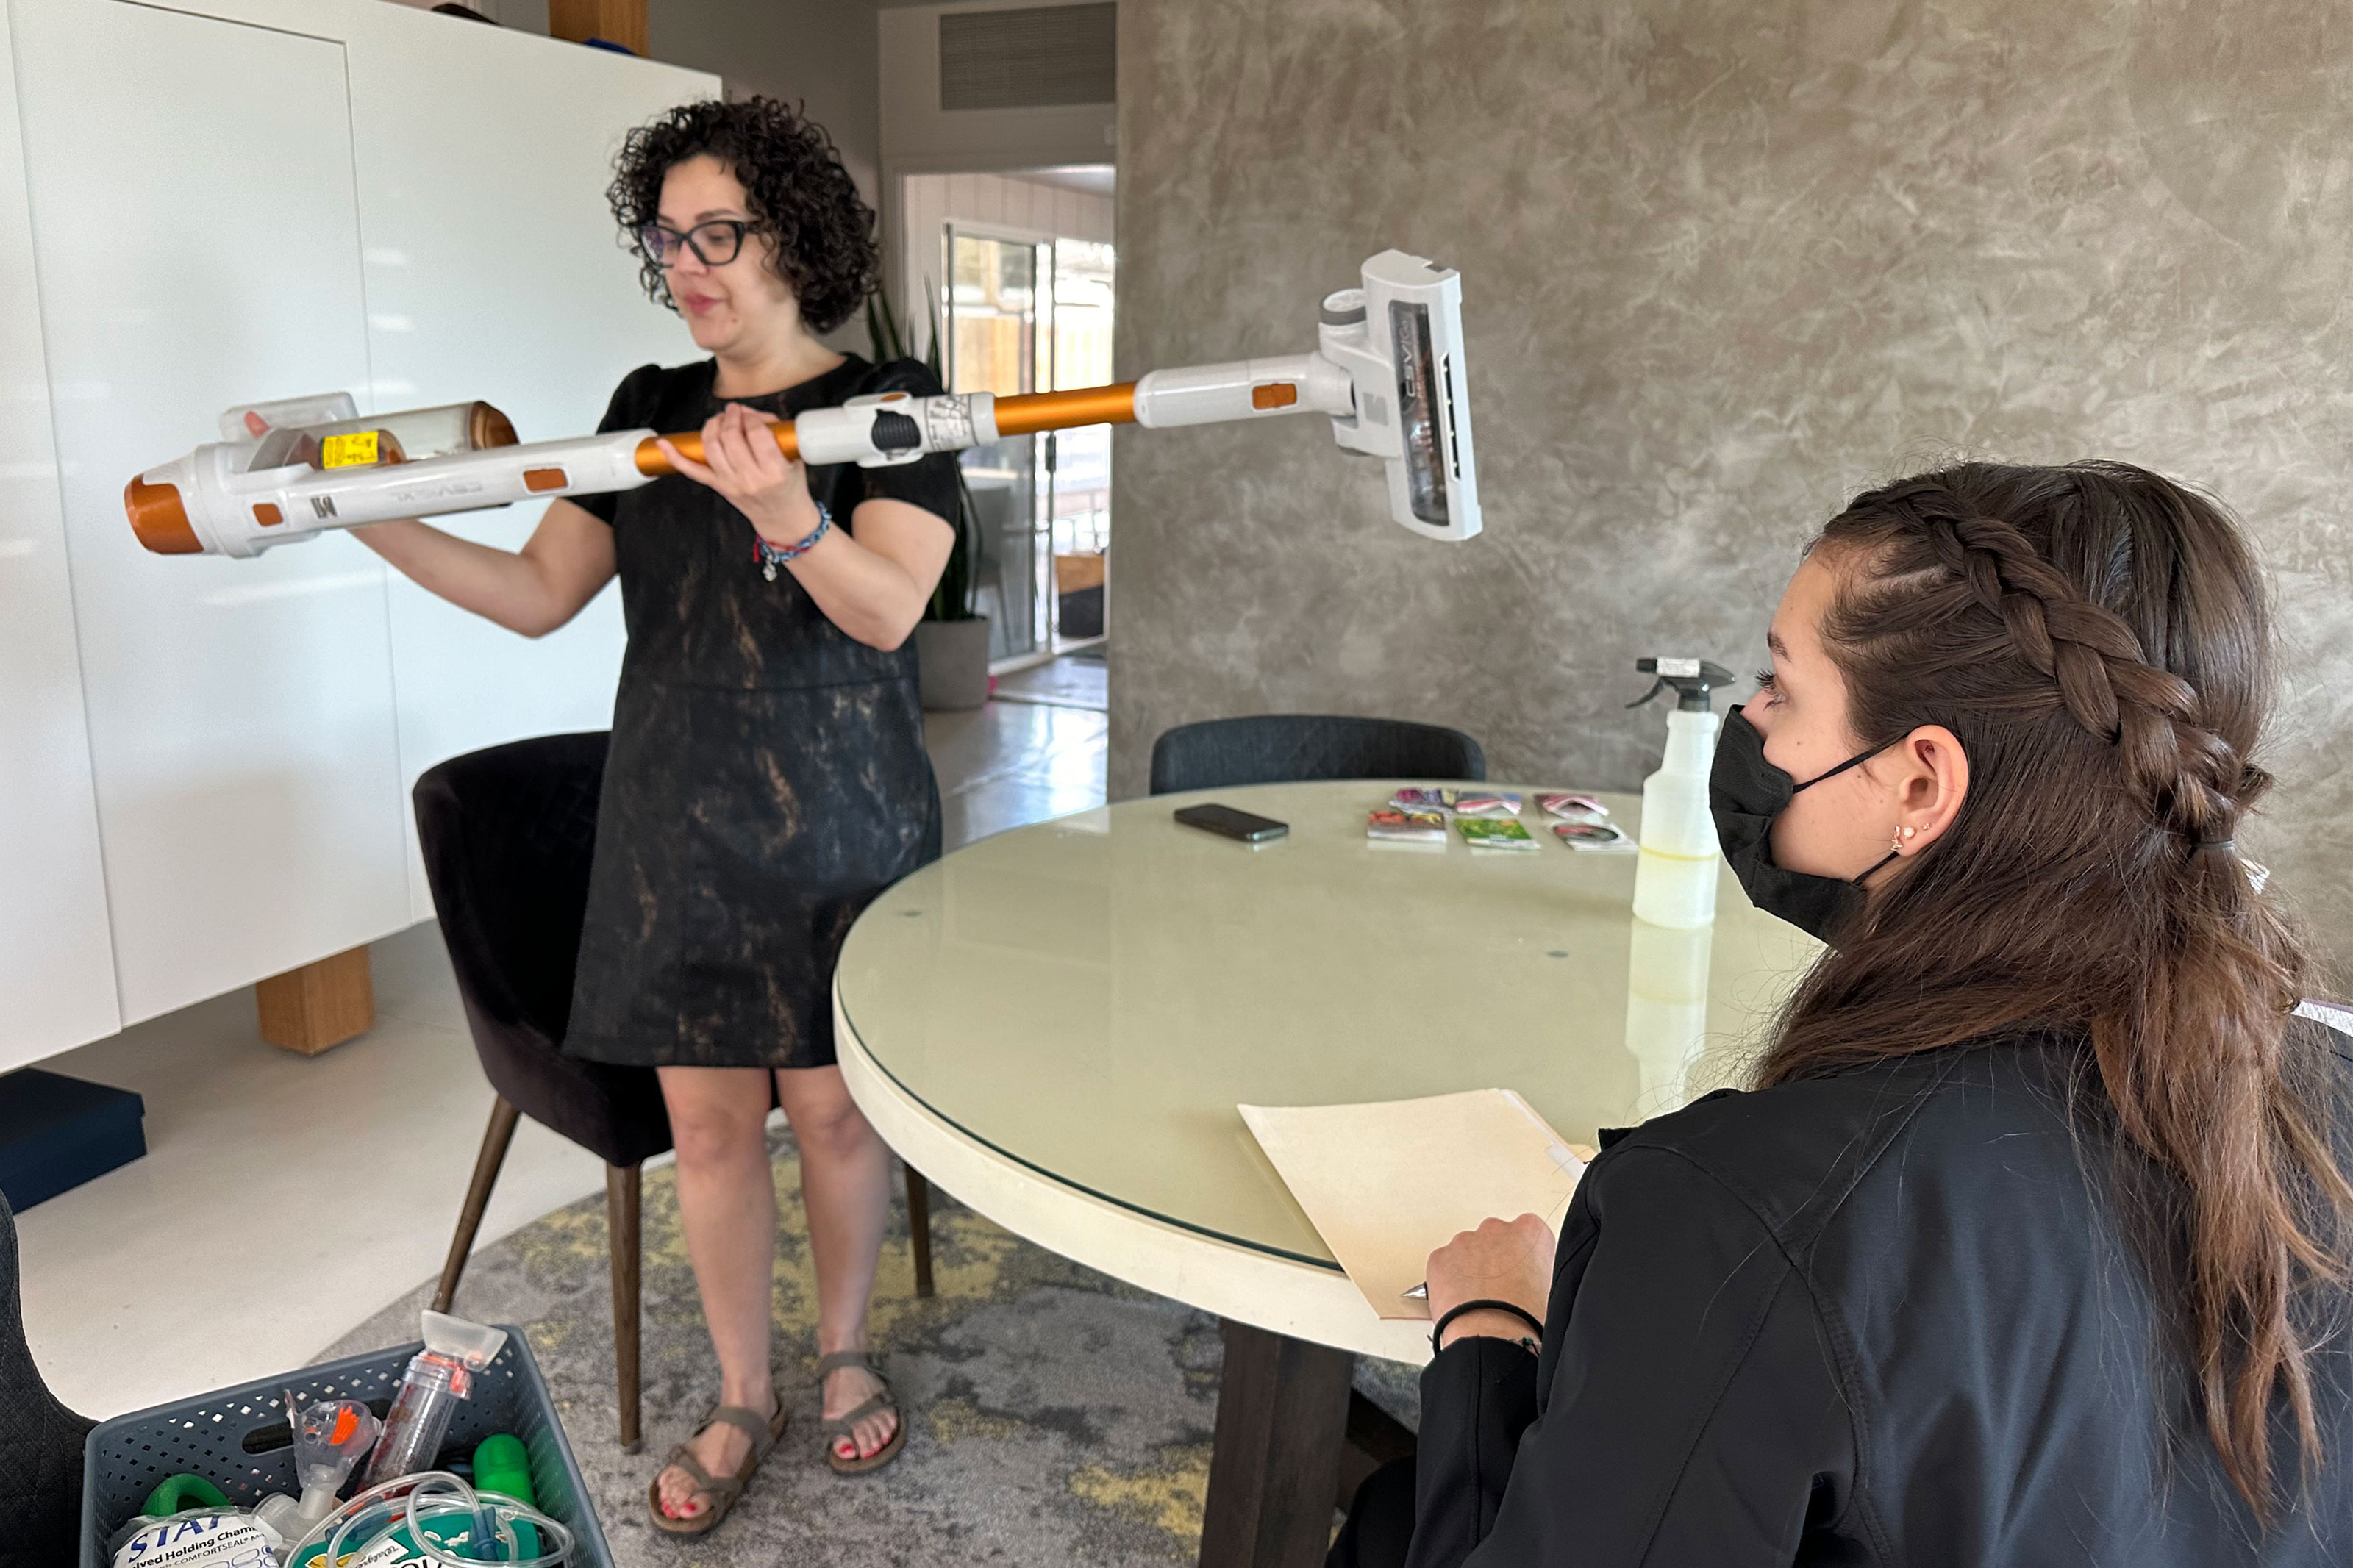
[(767, 776)]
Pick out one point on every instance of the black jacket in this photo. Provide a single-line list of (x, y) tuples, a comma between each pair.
[(1889, 1318)]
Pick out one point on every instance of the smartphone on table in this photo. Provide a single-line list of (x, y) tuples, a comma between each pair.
[(1229, 823)]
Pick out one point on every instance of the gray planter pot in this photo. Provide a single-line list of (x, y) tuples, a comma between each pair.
[(954, 659)]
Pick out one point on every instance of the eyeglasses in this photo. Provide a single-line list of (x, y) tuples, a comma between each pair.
[(715, 244)]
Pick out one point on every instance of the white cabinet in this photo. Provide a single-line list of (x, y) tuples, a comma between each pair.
[(57, 965), (205, 762), (197, 239), (494, 272)]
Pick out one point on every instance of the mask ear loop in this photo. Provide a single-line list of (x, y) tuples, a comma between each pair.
[(1876, 867), (1854, 761)]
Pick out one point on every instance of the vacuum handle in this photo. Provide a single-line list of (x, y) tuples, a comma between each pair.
[(653, 465), (901, 429)]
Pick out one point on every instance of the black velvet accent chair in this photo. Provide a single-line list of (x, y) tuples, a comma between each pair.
[(507, 834), (1287, 748), (40, 1439)]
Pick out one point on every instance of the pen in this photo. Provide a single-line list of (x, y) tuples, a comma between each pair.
[(1563, 1155)]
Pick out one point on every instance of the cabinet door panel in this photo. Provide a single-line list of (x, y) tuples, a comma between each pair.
[(56, 963), (513, 289), (197, 239)]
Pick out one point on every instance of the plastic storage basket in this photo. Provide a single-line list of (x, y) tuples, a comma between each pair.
[(225, 1438)]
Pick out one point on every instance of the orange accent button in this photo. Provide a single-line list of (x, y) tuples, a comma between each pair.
[(1274, 395), (544, 479), (268, 515)]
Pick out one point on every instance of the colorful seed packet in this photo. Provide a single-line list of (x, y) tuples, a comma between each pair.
[(1490, 833), (1593, 838), (1405, 827), (1419, 800), (1573, 807), (1479, 803)]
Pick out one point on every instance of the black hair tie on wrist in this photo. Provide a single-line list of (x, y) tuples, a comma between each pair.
[(1454, 1312)]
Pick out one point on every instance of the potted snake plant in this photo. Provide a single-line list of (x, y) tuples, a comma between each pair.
[(952, 639)]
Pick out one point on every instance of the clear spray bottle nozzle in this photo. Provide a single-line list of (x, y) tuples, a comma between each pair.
[(1692, 679)]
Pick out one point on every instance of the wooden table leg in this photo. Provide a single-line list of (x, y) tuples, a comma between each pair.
[(1375, 1437), (1282, 1417)]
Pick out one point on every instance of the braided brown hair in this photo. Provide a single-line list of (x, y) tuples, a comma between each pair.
[(2097, 637)]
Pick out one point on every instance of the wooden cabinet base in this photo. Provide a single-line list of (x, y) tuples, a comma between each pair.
[(319, 1005), (620, 22)]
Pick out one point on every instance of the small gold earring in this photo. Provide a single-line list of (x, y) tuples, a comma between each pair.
[(1903, 835)]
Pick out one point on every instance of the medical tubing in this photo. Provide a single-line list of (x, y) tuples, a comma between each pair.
[(464, 1500), (382, 1507)]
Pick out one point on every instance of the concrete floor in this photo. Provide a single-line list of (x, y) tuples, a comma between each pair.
[(283, 1199)]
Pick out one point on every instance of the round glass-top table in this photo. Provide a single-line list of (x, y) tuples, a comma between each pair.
[(1056, 1024), (1074, 1009)]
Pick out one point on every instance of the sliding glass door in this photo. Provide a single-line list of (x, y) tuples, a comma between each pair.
[(1029, 315), (992, 338), (1078, 462)]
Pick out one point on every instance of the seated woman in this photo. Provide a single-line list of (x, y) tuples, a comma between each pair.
[(2030, 1247)]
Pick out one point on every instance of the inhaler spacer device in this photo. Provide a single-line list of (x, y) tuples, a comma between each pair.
[(439, 1376), (1387, 369)]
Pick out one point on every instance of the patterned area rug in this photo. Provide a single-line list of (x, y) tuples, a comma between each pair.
[(1055, 1414)]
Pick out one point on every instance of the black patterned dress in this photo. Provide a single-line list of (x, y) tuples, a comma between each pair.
[(767, 777)]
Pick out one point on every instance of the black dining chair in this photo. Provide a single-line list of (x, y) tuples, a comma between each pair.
[(1288, 747), (40, 1439), (507, 834)]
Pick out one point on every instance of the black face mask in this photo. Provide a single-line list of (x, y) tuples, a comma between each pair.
[(1745, 793)]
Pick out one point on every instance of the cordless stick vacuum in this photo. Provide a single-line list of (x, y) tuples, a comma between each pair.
[(1387, 369)]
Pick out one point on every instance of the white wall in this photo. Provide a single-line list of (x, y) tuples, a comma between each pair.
[(252, 200), (919, 137), (1005, 203), (820, 53)]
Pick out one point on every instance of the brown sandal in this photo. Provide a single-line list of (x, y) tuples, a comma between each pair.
[(838, 1427), (720, 1493)]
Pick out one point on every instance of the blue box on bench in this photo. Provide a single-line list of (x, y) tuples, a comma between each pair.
[(56, 1132)]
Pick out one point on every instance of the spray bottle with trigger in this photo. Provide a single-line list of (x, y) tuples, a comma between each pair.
[(1674, 881)]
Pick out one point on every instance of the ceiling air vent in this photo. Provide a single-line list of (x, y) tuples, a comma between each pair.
[(1039, 57)]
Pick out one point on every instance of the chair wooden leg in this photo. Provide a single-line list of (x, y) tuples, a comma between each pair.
[(919, 1230), (495, 1139), (621, 1214)]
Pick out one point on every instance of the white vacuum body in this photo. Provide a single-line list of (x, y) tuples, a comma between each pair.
[(1387, 371)]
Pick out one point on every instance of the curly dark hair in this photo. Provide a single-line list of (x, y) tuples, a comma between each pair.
[(799, 195)]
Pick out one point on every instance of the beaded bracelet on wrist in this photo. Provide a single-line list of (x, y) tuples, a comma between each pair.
[(768, 557)]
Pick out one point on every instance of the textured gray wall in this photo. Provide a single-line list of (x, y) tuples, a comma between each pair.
[(1725, 262)]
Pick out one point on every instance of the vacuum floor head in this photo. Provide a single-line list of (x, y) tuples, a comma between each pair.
[(1399, 337)]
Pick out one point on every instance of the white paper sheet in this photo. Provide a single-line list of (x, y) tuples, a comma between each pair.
[(1386, 1185)]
